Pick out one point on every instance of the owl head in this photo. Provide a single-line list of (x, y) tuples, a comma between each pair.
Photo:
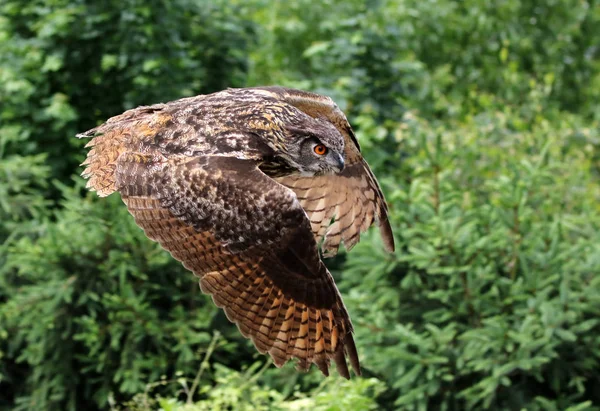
[(313, 146)]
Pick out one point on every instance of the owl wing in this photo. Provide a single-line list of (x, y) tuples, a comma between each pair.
[(351, 199), (249, 241)]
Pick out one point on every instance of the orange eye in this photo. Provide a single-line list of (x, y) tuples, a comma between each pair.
[(320, 149)]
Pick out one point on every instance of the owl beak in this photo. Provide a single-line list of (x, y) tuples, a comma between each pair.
[(339, 163)]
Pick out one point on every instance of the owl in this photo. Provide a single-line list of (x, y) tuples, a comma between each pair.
[(248, 188)]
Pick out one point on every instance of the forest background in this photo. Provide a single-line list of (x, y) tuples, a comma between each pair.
[(481, 120)]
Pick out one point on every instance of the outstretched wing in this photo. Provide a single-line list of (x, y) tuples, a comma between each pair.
[(351, 199), (250, 242)]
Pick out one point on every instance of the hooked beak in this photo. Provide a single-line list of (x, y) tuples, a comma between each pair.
[(338, 163)]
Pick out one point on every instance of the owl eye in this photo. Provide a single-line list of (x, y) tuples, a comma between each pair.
[(320, 149)]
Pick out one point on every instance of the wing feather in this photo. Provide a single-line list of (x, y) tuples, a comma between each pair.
[(351, 199), (284, 301)]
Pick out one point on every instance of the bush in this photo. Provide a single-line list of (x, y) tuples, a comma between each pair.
[(241, 391), (492, 301)]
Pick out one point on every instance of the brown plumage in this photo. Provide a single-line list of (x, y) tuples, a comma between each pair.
[(242, 186)]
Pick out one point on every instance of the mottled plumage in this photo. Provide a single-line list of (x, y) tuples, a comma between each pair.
[(242, 186)]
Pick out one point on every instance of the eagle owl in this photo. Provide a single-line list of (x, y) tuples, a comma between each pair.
[(243, 186)]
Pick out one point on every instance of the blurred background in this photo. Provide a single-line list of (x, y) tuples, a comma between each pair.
[(481, 120)]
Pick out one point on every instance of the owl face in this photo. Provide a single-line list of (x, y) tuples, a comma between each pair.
[(314, 148)]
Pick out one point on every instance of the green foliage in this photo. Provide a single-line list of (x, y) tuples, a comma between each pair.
[(494, 294), (481, 121), (70, 323), (234, 390), (70, 64)]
